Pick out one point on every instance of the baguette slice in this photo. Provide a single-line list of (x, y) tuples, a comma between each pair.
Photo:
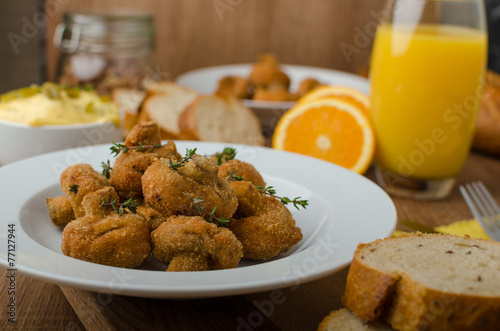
[(426, 282), (130, 101), (163, 105), (345, 320), (212, 118)]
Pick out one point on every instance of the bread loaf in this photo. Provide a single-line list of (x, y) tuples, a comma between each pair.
[(345, 320), (212, 118), (487, 133), (165, 102), (426, 282)]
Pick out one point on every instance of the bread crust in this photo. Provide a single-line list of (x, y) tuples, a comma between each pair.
[(416, 307), (406, 304), (367, 289), (187, 122)]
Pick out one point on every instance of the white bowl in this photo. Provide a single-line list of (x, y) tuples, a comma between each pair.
[(19, 141), (206, 80)]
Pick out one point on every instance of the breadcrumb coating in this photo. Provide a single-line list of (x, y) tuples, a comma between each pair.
[(269, 233), (243, 169), (250, 200), (105, 237), (190, 243), (152, 218), (170, 191), (60, 210), (77, 181)]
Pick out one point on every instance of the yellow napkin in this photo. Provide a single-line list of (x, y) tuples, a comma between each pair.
[(460, 228)]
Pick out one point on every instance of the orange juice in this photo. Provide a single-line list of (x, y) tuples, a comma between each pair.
[(426, 83)]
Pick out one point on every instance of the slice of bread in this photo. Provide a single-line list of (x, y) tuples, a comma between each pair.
[(345, 320), (212, 118), (130, 101), (163, 105), (426, 282), (128, 98)]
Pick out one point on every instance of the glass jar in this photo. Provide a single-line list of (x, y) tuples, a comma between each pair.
[(106, 50)]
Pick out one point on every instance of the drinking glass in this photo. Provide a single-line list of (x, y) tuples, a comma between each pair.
[(427, 71)]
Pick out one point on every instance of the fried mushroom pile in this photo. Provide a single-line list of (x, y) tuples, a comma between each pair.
[(190, 213)]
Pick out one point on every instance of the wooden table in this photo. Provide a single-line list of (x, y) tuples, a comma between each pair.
[(43, 306)]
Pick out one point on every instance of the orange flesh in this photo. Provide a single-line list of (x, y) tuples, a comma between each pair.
[(327, 133)]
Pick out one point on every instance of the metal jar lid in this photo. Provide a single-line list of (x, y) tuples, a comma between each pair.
[(118, 32)]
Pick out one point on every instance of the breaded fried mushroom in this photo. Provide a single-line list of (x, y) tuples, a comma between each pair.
[(306, 86), (171, 191), (269, 233), (152, 218), (103, 236), (266, 71), (77, 181), (250, 200), (60, 210), (233, 86), (243, 169), (130, 166), (190, 243)]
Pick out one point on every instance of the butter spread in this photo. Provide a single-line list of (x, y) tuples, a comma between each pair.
[(52, 104)]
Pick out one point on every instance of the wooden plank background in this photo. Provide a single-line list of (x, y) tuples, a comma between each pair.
[(20, 54), (192, 34)]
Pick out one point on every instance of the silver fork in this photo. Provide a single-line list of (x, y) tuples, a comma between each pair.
[(483, 207)]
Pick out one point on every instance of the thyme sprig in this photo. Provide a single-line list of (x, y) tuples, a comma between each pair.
[(195, 202), (269, 190), (119, 208), (233, 176), (117, 148), (176, 165), (106, 169), (227, 154)]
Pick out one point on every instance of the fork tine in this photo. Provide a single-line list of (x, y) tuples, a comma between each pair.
[(481, 205), (473, 198), (484, 206), (491, 205), (470, 203)]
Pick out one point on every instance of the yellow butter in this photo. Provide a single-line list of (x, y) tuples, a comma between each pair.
[(64, 106), (460, 228)]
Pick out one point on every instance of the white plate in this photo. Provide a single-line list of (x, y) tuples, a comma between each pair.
[(344, 210), (206, 80)]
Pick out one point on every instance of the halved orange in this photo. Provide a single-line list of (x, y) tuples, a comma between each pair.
[(329, 129), (346, 93)]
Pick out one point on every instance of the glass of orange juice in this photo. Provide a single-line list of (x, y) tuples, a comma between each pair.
[(426, 73)]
